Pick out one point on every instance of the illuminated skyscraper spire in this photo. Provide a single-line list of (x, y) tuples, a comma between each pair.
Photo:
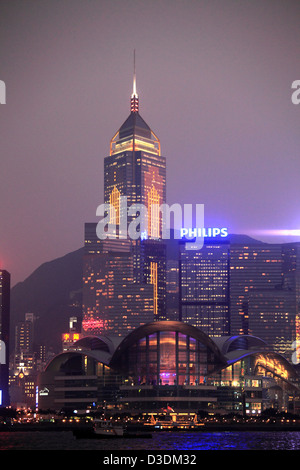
[(134, 103), (135, 134)]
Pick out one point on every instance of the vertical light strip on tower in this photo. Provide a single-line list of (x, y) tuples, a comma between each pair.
[(153, 280), (114, 201), (153, 214)]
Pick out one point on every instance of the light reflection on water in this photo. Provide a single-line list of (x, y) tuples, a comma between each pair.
[(225, 440)]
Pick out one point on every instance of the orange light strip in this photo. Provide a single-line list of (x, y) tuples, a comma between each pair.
[(153, 280)]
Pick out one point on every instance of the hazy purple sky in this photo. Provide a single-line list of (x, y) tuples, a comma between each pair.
[(214, 80)]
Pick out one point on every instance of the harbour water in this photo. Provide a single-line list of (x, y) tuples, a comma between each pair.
[(161, 441)]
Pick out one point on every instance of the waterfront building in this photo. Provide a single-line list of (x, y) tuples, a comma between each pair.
[(4, 336), (169, 364), (22, 386), (25, 365)]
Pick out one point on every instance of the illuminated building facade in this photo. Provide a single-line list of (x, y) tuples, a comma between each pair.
[(264, 293), (272, 316), (112, 301), (4, 336), (252, 267), (26, 364), (24, 334), (172, 289), (291, 282), (169, 364), (73, 335), (152, 271), (205, 287), (291, 267), (136, 171)]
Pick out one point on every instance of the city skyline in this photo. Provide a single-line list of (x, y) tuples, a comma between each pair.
[(214, 81), (132, 321)]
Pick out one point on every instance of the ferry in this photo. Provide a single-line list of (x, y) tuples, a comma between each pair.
[(107, 428), (171, 421), (103, 428)]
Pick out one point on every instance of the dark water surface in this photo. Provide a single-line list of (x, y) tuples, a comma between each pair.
[(164, 441)]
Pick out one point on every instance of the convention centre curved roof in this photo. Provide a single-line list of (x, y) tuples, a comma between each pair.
[(227, 350)]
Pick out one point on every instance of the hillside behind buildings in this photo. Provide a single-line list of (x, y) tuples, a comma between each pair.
[(53, 293)]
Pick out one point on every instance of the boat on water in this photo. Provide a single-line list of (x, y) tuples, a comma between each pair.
[(108, 428), (103, 428), (171, 421)]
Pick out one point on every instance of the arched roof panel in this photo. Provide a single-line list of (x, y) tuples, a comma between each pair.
[(55, 364), (239, 342), (101, 343)]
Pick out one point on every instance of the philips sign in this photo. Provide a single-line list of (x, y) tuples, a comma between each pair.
[(203, 232)]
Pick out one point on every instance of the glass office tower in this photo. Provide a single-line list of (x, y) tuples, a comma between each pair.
[(264, 280), (112, 302), (204, 287)]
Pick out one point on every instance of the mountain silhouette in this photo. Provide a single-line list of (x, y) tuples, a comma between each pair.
[(53, 293)]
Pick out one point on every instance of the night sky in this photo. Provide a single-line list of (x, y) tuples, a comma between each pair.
[(214, 81)]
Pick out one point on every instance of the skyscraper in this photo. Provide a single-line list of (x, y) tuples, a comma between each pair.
[(272, 316), (205, 287), (112, 302), (253, 266), (4, 336), (135, 169), (133, 267), (291, 267), (24, 336), (264, 293)]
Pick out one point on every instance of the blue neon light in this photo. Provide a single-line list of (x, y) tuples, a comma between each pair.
[(203, 232)]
